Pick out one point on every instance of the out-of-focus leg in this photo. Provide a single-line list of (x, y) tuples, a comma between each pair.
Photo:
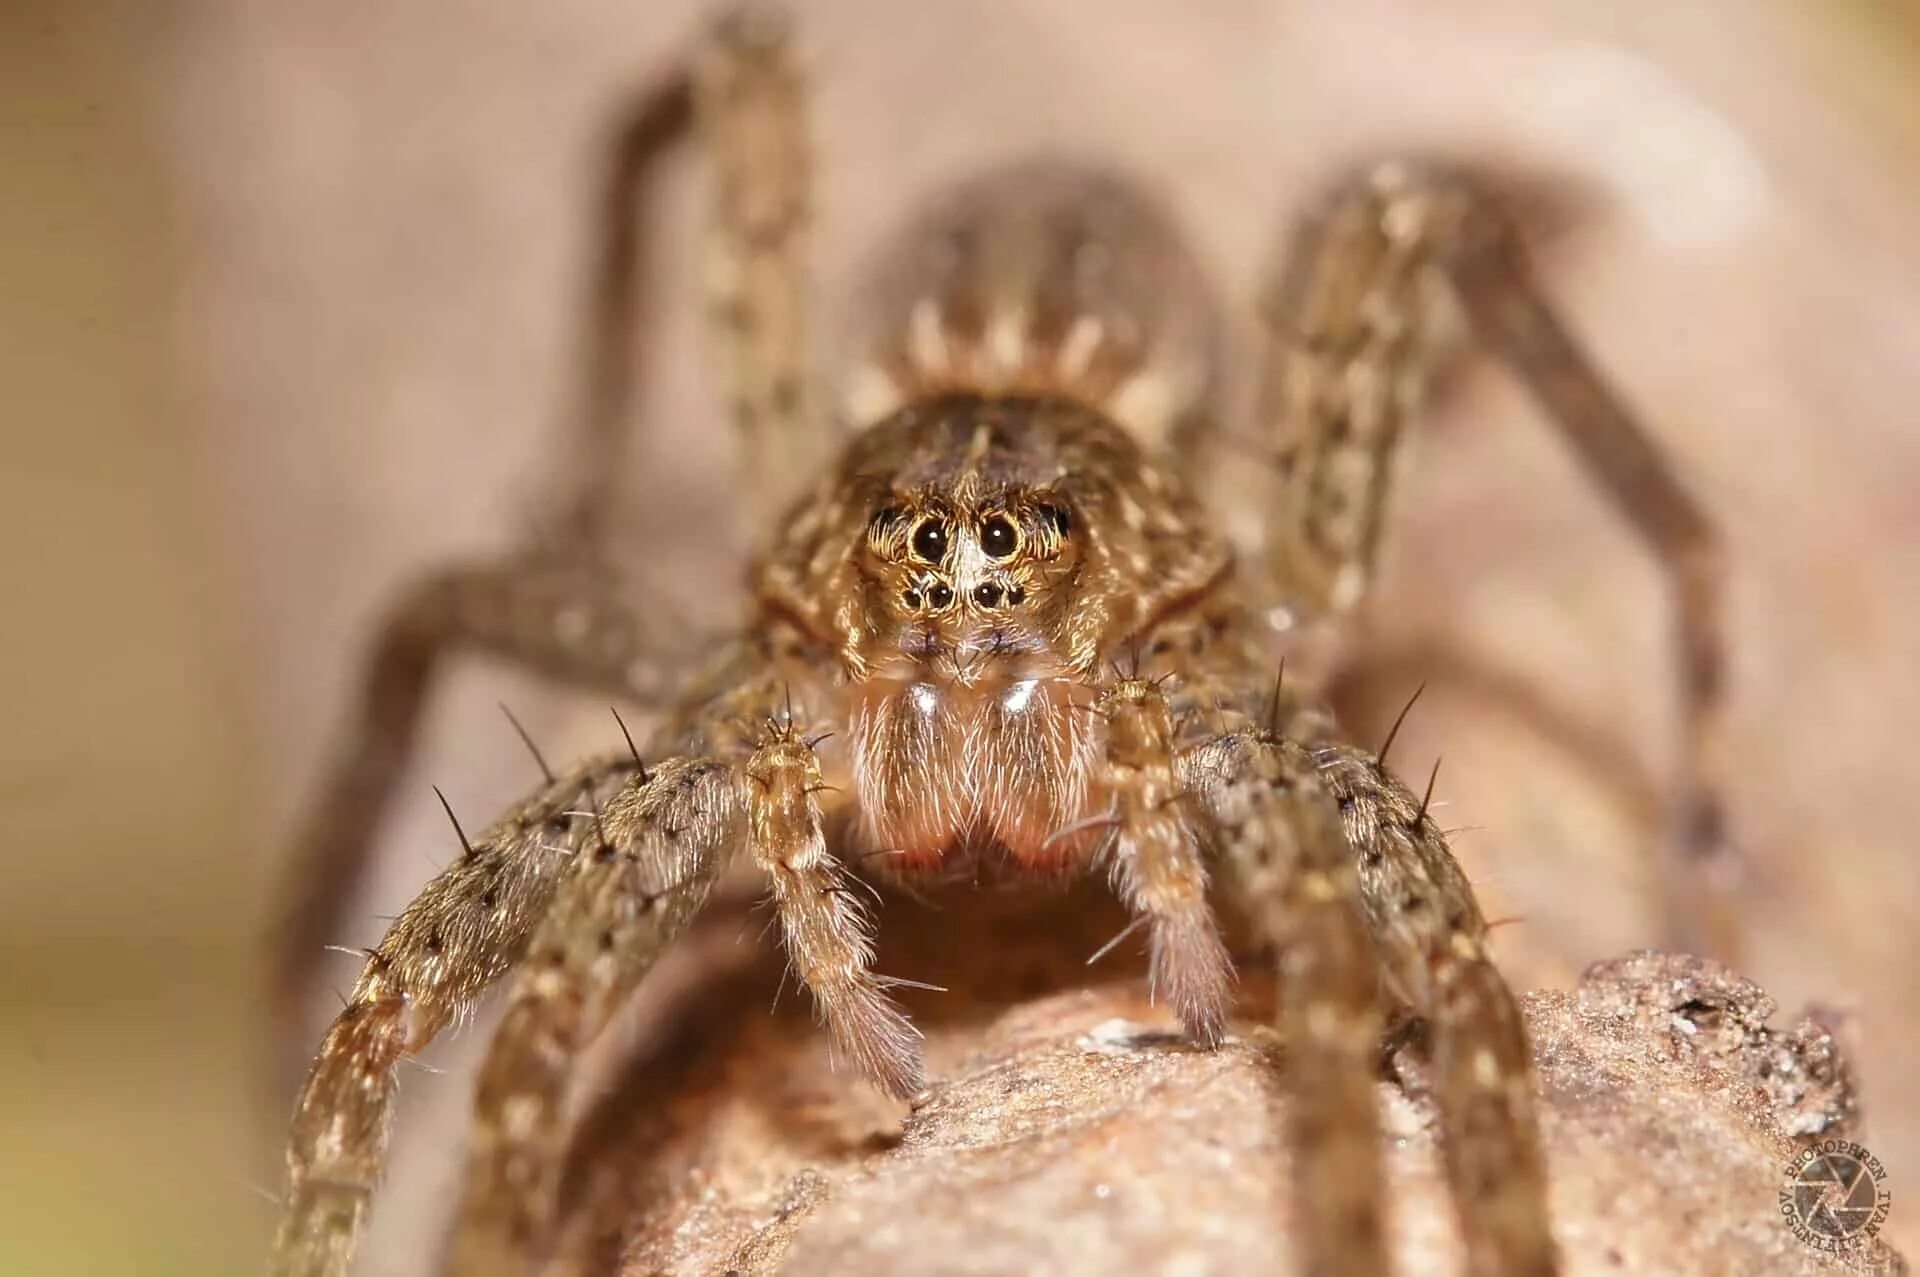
[(467, 927), (1283, 864), (752, 115), (1349, 344)]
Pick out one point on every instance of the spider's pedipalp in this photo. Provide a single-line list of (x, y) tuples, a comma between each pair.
[(467, 927), (1157, 862), (827, 931)]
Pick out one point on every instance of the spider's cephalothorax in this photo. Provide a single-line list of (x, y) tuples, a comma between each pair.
[(971, 561), (1000, 629)]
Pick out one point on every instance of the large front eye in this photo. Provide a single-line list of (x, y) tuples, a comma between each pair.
[(930, 541), (998, 538)]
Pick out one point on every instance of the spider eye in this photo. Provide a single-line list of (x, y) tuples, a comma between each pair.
[(940, 595), (930, 541), (998, 538), (884, 518), (1057, 516)]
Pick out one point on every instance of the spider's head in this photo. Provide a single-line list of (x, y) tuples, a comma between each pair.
[(960, 577)]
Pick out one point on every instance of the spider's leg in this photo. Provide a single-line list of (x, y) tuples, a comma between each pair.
[(664, 843), (463, 930), (752, 115), (1284, 865), (1429, 942), (589, 483), (552, 608), (570, 622), (1343, 372), (1433, 944)]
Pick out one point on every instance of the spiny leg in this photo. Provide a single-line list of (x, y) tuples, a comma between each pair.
[(665, 842), (1343, 371), (551, 608), (1284, 864), (464, 929), (568, 621), (752, 113), (1433, 944), (656, 849)]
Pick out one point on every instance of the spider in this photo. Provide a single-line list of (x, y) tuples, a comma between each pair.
[(999, 636)]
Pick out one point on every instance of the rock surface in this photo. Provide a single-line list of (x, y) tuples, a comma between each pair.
[(1071, 1132)]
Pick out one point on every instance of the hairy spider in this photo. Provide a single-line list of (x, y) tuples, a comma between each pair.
[(1000, 634)]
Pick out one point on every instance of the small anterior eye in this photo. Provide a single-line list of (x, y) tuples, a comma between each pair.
[(998, 538), (930, 541), (940, 595)]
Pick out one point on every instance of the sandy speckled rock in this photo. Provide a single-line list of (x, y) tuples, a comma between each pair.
[(1070, 1131)]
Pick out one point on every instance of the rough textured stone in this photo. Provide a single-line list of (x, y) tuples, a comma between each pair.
[(1071, 1131)]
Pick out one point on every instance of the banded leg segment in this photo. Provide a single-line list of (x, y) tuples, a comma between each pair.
[(666, 842), (1343, 371), (1432, 941), (468, 926), (568, 621), (656, 851), (752, 113), (1285, 865)]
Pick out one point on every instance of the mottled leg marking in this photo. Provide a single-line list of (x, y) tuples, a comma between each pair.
[(1343, 372), (653, 855), (1432, 941), (667, 839), (1284, 863), (569, 622), (752, 113), (1156, 858), (465, 928)]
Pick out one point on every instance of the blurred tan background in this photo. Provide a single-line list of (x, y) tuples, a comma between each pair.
[(290, 306)]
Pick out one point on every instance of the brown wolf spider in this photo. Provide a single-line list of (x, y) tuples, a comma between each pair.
[(1001, 634)]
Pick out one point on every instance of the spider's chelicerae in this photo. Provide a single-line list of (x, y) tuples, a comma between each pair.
[(1000, 632)]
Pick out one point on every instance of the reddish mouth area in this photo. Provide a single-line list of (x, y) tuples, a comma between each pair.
[(955, 777)]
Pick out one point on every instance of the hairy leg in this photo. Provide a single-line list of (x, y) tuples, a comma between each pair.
[(1284, 864), (609, 923), (467, 926), (552, 608), (1428, 943), (752, 113), (557, 609), (569, 621), (1433, 943), (657, 849), (1343, 372), (1156, 858)]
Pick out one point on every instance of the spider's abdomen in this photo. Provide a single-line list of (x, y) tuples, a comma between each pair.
[(1040, 279), (944, 771)]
